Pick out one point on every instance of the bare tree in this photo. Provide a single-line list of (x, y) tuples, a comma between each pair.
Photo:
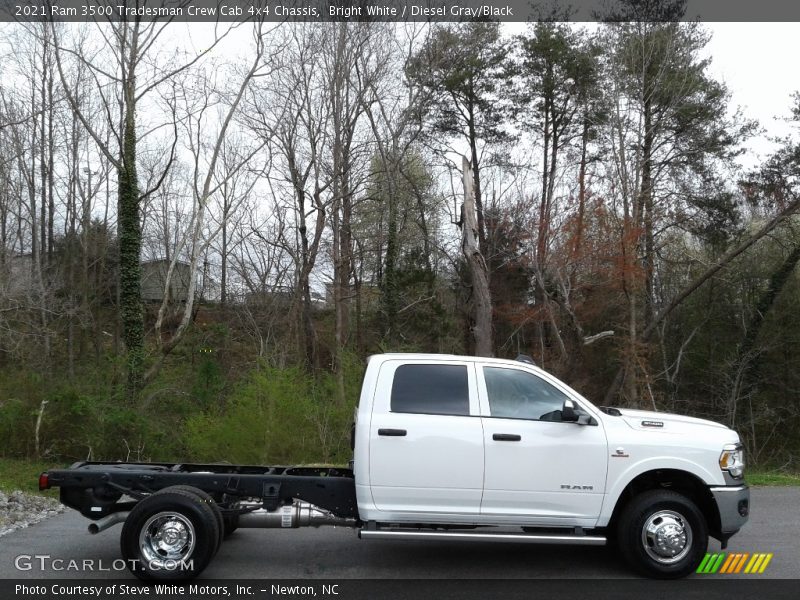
[(289, 114), (130, 74), (200, 97), (481, 297)]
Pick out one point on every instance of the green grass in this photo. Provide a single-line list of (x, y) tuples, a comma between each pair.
[(24, 475), (765, 477)]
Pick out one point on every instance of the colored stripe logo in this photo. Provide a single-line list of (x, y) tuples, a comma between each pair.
[(738, 562)]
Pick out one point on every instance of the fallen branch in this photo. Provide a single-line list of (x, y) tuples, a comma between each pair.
[(591, 339)]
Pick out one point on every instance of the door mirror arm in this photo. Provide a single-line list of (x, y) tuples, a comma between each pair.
[(568, 414)]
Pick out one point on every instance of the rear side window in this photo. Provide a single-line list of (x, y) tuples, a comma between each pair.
[(431, 389)]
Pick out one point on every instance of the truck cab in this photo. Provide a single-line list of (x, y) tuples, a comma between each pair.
[(480, 442)]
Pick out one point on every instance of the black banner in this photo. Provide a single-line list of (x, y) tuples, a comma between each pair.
[(419, 589), (398, 10)]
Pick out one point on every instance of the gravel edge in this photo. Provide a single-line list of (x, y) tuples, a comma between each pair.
[(19, 510)]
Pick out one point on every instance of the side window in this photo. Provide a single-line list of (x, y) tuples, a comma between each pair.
[(517, 394), (431, 389)]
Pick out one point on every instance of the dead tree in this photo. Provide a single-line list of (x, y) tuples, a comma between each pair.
[(479, 275)]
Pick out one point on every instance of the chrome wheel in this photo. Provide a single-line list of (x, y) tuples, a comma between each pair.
[(166, 539), (667, 537)]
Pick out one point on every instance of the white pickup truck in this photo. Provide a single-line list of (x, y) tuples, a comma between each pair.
[(448, 447)]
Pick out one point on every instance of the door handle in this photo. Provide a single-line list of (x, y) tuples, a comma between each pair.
[(506, 437), (392, 432)]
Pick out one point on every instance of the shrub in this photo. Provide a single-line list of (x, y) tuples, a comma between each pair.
[(279, 416)]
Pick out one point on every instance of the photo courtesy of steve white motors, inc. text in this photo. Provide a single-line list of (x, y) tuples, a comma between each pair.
[(193, 590)]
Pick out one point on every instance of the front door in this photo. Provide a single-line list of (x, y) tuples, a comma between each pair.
[(536, 465)]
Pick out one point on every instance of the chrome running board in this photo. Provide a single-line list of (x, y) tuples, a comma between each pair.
[(525, 538)]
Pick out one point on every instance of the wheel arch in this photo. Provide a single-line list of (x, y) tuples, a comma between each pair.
[(677, 480)]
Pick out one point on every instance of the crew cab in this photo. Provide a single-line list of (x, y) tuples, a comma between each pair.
[(448, 447)]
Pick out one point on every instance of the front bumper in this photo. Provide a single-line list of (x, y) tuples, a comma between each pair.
[(733, 504)]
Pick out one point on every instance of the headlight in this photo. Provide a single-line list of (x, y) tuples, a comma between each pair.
[(732, 460)]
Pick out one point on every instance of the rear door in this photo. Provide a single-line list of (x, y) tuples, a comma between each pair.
[(426, 438)]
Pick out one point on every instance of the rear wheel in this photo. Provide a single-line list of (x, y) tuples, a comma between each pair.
[(206, 497), (230, 520), (171, 535), (231, 524), (662, 534)]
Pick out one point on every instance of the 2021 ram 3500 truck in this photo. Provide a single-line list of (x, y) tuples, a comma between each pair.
[(448, 447)]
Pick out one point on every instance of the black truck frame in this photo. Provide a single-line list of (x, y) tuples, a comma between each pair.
[(95, 488), (175, 515)]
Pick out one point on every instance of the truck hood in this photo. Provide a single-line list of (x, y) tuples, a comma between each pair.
[(647, 420)]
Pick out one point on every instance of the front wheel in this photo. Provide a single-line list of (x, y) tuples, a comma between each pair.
[(662, 534)]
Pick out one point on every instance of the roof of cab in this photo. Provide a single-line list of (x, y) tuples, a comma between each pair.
[(423, 356)]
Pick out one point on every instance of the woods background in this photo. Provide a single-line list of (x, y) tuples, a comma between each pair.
[(205, 231)]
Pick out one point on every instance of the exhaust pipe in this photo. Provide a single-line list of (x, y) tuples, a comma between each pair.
[(106, 522), (299, 514)]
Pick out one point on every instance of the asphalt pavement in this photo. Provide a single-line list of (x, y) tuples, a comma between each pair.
[(337, 553)]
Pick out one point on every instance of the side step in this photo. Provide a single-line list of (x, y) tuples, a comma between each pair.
[(524, 538)]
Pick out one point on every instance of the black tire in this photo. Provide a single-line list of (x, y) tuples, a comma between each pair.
[(669, 518), (206, 497), (230, 520), (171, 535), (231, 524)]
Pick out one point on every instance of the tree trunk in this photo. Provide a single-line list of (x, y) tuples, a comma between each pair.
[(130, 243), (51, 207), (307, 260), (481, 296), (31, 180), (647, 208), (223, 281), (389, 292), (476, 181), (577, 240), (342, 202), (43, 161)]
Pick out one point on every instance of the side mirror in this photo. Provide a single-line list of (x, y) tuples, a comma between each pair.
[(568, 414)]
